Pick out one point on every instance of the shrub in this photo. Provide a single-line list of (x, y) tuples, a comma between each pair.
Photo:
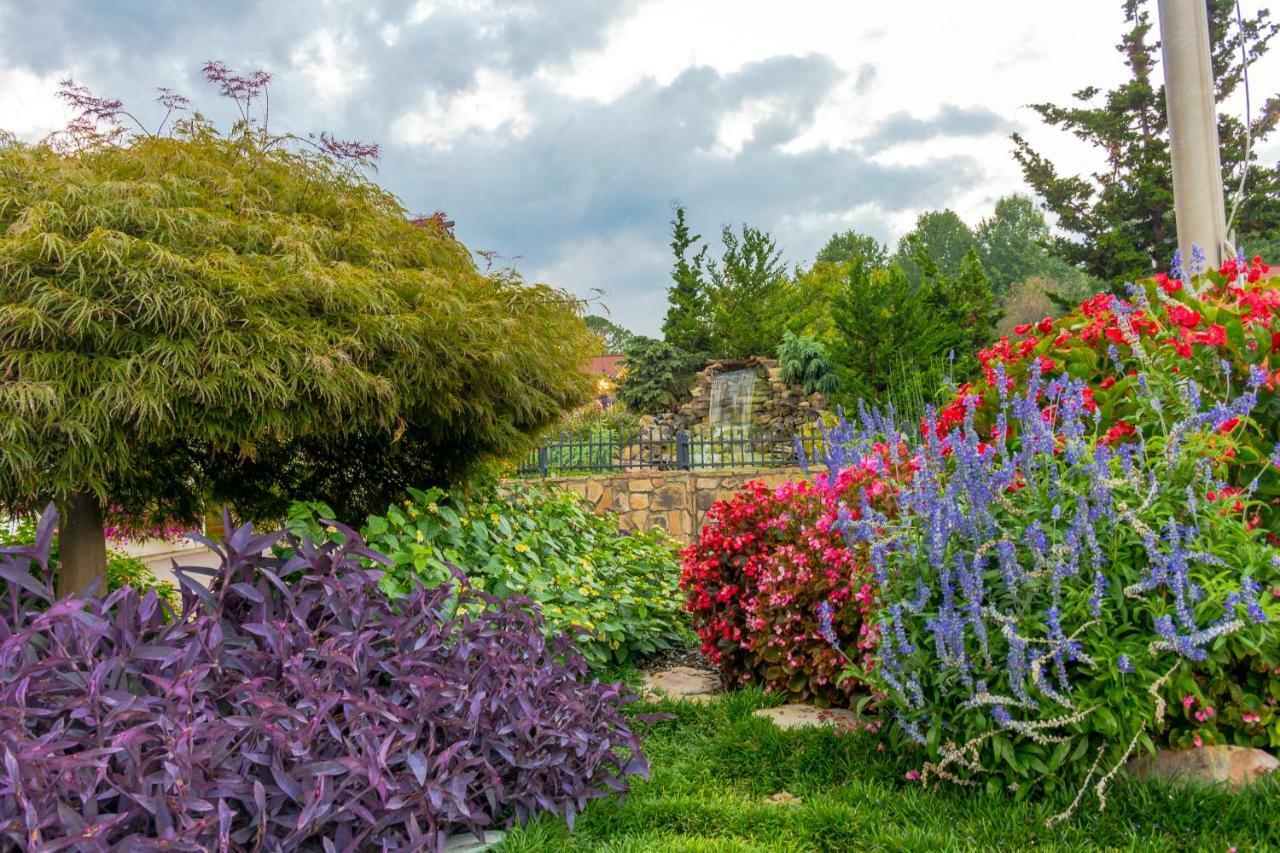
[(1215, 329), (1048, 601), (771, 577), (658, 376), (291, 705), (804, 362), (615, 594)]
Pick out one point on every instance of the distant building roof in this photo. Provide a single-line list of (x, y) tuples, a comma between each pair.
[(605, 365)]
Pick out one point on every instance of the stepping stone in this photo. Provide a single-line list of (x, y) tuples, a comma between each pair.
[(1233, 766), (682, 682), (795, 716), (465, 842), (783, 798)]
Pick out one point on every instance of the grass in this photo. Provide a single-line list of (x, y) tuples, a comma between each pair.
[(714, 767)]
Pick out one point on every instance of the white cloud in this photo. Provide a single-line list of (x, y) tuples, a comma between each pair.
[(28, 108), (327, 61), (494, 105)]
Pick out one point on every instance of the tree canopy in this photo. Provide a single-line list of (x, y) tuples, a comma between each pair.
[(1119, 221), (238, 317)]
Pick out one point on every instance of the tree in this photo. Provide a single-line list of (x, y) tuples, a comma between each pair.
[(658, 376), (944, 236), (244, 317), (614, 337), (847, 245), (687, 325), (749, 278), (967, 302), (1119, 221), (885, 329), (804, 362)]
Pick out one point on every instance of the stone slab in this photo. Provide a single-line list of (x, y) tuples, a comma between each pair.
[(682, 682), (803, 714), (465, 842), (1233, 766)]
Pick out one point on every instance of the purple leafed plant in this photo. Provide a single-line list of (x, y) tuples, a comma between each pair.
[(289, 706)]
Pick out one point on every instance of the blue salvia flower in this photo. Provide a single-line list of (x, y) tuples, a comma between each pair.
[(1198, 259), (1124, 664), (826, 616), (1175, 266)]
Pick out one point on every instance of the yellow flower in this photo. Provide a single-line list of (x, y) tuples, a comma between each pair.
[(433, 507), (582, 590), (331, 529), (521, 548), (494, 518), (422, 537)]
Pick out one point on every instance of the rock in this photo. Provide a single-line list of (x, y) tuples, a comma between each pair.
[(794, 716), (1234, 766), (682, 682), (784, 798), (465, 842), (638, 501)]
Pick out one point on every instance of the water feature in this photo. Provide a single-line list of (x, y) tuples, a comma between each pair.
[(732, 393)]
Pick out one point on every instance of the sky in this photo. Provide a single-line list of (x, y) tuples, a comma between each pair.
[(560, 133)]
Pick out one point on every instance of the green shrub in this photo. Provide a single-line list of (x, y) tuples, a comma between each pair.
[(658, 376), (618, 593), (804, 362)]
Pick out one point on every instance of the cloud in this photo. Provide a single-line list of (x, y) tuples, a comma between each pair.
[(463, 95), (950, 121)]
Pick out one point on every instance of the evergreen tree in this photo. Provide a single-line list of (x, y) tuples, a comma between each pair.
[(749, 279), (1119, 220), (687, 324), (614, 338)]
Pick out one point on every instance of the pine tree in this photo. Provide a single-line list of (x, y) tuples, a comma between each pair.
[(687, 324)]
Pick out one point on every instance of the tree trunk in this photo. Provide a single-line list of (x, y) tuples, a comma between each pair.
[(82, 545)]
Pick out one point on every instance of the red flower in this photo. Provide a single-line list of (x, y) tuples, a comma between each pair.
[(1108, 382), (1228, 425), (1184, 316), (1122, 429), (1045, 326), (1022, 328), (1214, 336)]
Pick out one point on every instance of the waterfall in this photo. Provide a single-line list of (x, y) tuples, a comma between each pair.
[(731, 397)]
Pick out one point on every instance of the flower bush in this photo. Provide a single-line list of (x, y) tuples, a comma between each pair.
[(771, 580), (1055, 602), (290, 706), (1215, 326), (616, 594)]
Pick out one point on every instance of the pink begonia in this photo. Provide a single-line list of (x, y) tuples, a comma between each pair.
[(1188, 701), (1196, 740), (1251, 718), (913, 775)]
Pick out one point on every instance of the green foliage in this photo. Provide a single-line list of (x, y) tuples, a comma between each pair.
[(943, 238), (1013, 245), (1119, 221), (966, 302), (613, 337), (847, 245), (617, 594), (749, 280), (804, 362), (688, 323), (241, 317), (886, 328), (122, 569), (658, 376)]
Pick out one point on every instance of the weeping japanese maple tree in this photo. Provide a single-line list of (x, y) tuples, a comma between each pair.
[(193, 315)]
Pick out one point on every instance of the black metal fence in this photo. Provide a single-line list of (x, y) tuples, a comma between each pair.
[(664, 449)]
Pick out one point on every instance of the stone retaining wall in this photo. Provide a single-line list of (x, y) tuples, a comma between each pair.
[(675, 501)]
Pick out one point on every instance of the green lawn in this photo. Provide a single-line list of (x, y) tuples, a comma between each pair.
[(715, 765)]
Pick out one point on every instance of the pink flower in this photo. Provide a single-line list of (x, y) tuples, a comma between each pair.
[(1188, 701), (1251, 718), (1196, 740), (913, 775)]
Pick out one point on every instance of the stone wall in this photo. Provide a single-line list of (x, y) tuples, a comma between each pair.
[(777, 409), (674, 501)]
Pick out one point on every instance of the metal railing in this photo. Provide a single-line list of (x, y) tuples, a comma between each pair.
[(672, 450)]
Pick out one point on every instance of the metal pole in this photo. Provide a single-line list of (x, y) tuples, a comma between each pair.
[(1193, 129)]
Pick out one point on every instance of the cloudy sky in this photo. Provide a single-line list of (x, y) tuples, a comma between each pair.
[(560, 132)]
